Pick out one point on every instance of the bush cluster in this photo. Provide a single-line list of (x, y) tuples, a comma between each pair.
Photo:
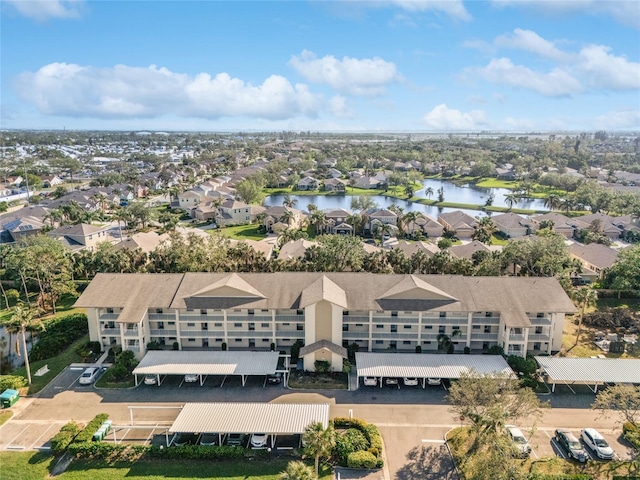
[(373, 437), (362, 459), (632, 433), (64, 437), (115, 452), (197, 452), (353, 440), (86, 435), (59, 334), (12, 382)]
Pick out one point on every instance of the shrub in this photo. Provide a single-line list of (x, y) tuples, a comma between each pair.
[(97, 450), (13, 382), (197, 452), (86, 435), (351, 441), (322, 366), (59, 334), (369, 430), (175, 346), (418, 349), (632, 433), (362, 459), (496, 350), (64, 437)]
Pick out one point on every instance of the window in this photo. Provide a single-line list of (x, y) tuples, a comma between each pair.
[(250, 312), (407, 327), (217, 324), (204, 326), (359, 325), (172, 323), (514, 348), (265, 325), (160, 325), (487, 329), (394, 328), (540, 315), (517, 331), (300, 327), (299, 312), (345, 313), (205, 342), (345, 327), (427, 342), (191, 324), (406, 342), (286, 324), (441, 329), (536, 345), (159, 310), (488, 314), (264, 310), (218, 340), (394, 314), (109, 310), (192, 340), (237, 325), (379, 326), (379, 342), (538, 330), (428, 327), (476, 327), (203, 312), (237, 340), (443, 314), (252, 326)]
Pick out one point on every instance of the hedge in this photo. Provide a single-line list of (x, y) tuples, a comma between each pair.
[(59, 334), (353, 440), (197, 452), (92, 427), (632, 433), (64, 437), (13, 382), (362, 459), (113, 452), (370, 431)]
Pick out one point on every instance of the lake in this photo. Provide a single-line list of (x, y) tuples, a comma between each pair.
[(452, 193)]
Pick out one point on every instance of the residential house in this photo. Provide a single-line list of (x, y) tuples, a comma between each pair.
[(335, 185), (146, 242), (334, 173), (49, 181), (604, 223), (382, 216), (189, 199), (423, 223), (337, 221), (287, 216), (307, 183), (512, 225), (595, 259), (250, 311), (561, 223), (295, 249), (410, 249), (463, 224), (368, 183), (467, 250), (82, 236), (235, 212), (207, 210)]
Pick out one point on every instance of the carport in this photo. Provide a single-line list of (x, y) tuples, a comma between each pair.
[(589, 371), (272, 419), (204, 363), (423, 366)]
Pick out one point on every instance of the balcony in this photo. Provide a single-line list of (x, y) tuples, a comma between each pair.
[(133, 348), (355, 319), (131, 332), (355, 335), (486, 321), (394, 320), (484, 336), (395, 335), (289, 333), (163, 332), (162, 316), (108, 316), (516, 338), (535, 337), (540, 321), (110, 331), (286, 319), (196, 333)]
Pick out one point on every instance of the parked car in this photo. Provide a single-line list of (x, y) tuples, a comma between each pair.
[(434, 381), (596, 443), (410, 381), (89, 376), (523, 449), (150, 379), (180, 439), (391, 381), (236, 439), (275, 378), (190, 378), (370, 381), (209, 439), (259, 440), (571, 445)]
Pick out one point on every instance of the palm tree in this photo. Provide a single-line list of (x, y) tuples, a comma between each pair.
[(583, 297), (355, 220), (428, 192), (511, 200), (312, 207), (441, 194), (23, 319), (407, 219), (319, 442), (445, 342), (319, 219), (287, 217), (288, 201), (297, 471), (553, 202)]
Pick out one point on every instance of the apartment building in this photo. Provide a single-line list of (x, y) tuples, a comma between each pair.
[(260, 311)]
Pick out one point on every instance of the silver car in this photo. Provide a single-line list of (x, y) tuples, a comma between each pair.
[(522, 447)]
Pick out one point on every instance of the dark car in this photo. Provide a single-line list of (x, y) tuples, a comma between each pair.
[(236, 439), (571, 445), (275, 378)]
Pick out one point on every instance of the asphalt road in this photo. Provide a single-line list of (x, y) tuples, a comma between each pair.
[(412, 421)]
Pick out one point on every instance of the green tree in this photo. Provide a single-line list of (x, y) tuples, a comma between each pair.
[(362, 203), (249, 191), (511, 200), (484, 230), (583, 297), (319, 442), (624, 400), (428, 192), (297, 470), (542, 256), (625, 272), (24, 319)]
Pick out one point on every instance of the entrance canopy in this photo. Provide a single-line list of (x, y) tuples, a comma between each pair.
[(421, 365), (590, 370), (269, 418), (203, 363)]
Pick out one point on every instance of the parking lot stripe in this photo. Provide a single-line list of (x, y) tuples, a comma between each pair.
[(33, 446), (425, 440), (16, 437)]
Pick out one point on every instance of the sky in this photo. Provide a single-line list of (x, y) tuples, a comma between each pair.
[(361, 66)]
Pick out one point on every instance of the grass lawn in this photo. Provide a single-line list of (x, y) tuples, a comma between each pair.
[(55, 364), (31, 465), (105, 381), (630, 303), (495, 183), (240, 232), (4, 416), (498, 241), (318, 381)]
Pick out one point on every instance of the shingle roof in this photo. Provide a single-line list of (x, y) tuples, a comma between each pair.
[(594, 253), (332, 347)]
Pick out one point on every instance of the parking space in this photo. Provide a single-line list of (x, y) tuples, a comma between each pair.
[(23, 435)]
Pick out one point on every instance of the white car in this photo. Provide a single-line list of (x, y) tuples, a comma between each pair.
[(259, 440), (410, 381), (434, 381), (596, 443), (519, 441), (190, 378), (150, 379), (370, 381), (89, 376)]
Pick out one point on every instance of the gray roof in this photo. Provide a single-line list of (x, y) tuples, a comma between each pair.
[(594, 253), (271, 418), (362, 292), (164, 362), (332, 347), (428, 365), (591, 370)]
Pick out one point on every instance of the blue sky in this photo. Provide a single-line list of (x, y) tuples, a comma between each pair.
[(399, 65)]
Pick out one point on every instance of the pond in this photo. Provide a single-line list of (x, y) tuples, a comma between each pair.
[(452, 193)]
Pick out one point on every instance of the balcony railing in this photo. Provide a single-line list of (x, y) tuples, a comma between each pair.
[(161, 316), (394, 335), (199, 333), (355, 319), (394, 320), (109, 316), (540, 321), (484, 336), (163, 332), (111, 331), (536, 337), (131, 332), (486, 321), (516, 338), (355, 335)]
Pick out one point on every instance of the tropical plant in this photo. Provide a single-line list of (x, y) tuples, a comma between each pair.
[(297, 471), (319, 442), (511, 200), (24, 319), (583, 297)]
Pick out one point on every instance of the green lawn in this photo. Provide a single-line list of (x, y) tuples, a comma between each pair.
[(4, 416), (495, 183), (240, 232), (35, 466), (55, 364)]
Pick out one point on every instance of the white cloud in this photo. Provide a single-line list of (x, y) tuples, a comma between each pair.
[(367, 76), (557, 83), (128, 92), (42, 10), (338, 107), (453, 8), (519, 123), (604, 70), (626, 12), (449, 119), (531, 42), (623, 119)]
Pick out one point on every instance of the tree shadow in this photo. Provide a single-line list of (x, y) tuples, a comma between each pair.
[(428, 462)]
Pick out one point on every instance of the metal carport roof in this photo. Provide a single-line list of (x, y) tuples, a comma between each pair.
[(160, 362), (428, 365), (271, 418), (590, 370)]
